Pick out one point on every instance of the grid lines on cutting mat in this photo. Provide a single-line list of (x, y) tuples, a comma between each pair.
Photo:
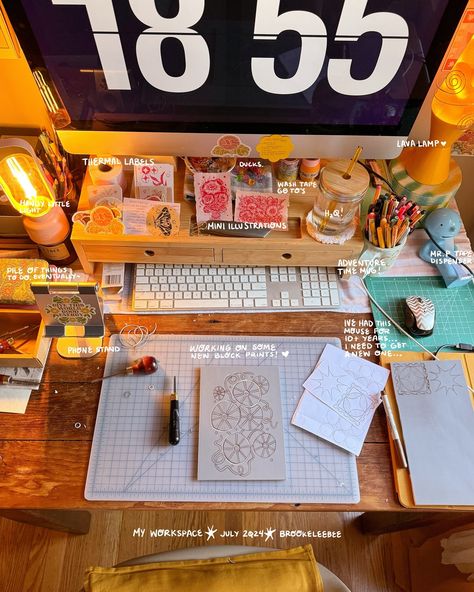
[(454, 309), (131, 459)]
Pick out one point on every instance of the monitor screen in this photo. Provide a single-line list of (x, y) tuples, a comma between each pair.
[(304, 67)]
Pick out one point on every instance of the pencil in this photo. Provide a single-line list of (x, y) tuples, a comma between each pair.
[(404, 231), (380, 237), (372, 231)]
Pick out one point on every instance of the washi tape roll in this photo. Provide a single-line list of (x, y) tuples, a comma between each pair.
[(109, 171)]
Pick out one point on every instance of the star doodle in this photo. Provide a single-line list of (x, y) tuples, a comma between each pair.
[(269, 533), (210, 532), (446, 378)]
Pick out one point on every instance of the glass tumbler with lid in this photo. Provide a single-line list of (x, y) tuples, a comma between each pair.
[(338, 197)]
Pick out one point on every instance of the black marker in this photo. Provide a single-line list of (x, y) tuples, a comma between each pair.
[(174, 435)]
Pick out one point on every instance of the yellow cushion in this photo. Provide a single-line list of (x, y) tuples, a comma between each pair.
[(276, 571), (13, 289)]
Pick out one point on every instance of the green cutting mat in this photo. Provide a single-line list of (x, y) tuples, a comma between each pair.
[(454, 310)]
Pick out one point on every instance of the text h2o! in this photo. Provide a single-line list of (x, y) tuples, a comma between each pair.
[(353, 23)]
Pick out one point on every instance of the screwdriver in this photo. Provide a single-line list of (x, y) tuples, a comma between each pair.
[(174, 432)]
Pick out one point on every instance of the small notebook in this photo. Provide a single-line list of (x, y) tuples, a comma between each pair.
[(437, 420), (240, 424)]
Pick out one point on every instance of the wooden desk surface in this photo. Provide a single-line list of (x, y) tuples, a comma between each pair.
[(44, 454)]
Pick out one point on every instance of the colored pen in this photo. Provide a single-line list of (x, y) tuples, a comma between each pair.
[(401, 212), (174, 432), (401, 203), (416, 219), (394, 430)]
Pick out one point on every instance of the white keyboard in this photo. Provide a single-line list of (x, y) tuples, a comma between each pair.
[(211, 288)]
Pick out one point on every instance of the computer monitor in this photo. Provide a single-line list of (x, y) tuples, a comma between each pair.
[(170, 77)]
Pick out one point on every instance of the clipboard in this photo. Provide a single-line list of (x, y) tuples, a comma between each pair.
[(401, 476)]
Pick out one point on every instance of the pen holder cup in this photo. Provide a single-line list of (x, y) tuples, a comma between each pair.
[(375, 260)]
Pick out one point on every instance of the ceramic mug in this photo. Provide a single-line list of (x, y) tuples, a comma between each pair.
[(375, 260)]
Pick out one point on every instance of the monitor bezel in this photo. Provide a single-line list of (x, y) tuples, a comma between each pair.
[(443, 37)]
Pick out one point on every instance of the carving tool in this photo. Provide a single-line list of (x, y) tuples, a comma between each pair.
[(9, 380), (145, 365), (174, 431)]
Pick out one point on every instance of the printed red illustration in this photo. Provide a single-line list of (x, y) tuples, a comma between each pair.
[(263, 208), (213, 197), (150, 174)]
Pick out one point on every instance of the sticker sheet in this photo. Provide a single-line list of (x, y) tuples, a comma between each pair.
[(100, 220), (163, 220), (142, 216), (240, 424), (230, 145), (263, 208), (153, 175), (105, 195), (154, 182), (213, 196), (160, 194)]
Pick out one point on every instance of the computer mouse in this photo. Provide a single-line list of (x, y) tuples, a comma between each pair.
[(419, 315)]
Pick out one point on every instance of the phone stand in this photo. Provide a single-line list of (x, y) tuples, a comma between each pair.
[(72, 313)]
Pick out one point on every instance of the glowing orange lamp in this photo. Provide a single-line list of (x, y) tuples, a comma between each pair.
[(452, 114), (30, 194)]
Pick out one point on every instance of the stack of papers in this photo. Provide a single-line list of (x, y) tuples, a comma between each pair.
[(14, 399), (340, 398)]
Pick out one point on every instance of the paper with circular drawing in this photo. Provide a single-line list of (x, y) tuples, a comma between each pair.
[(340, 398)]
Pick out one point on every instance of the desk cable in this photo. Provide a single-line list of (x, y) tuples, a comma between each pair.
[(390, 186)]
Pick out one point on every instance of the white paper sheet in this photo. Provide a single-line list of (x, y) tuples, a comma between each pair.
[(340, 398), (14, 400), (437, 420)]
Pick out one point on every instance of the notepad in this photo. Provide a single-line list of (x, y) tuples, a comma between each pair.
[(437, 420)]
